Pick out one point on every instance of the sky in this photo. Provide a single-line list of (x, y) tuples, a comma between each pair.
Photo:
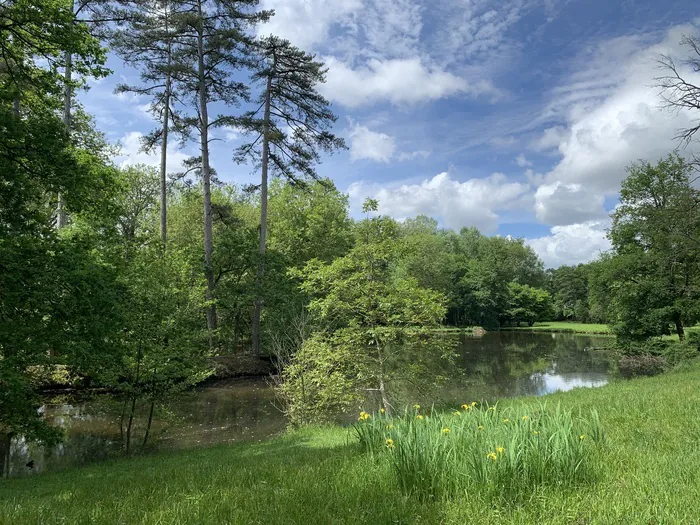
[(517, 117)]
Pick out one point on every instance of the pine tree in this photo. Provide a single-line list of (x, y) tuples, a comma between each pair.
[(147, 38), (213, 43), (290, 133)]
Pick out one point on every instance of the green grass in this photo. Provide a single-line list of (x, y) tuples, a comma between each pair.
[(565, 326), (648, 472)]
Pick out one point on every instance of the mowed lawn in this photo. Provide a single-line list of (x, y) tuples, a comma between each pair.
[(565, 326), (649, 473)]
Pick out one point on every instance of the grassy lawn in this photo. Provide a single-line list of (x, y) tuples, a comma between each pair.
[(565, 326), (649, 472)]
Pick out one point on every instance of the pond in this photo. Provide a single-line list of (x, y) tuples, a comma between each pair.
[(488, 367)]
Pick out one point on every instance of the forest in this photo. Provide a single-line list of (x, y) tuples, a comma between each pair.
[(130, 279)]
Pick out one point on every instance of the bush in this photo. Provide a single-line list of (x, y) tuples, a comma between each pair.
[(681, 352), (502, 453), (640, 365)]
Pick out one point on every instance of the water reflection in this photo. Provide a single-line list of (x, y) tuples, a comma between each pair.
[(489, 367)]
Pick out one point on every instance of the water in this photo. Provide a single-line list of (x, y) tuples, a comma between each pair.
[(489, 367)]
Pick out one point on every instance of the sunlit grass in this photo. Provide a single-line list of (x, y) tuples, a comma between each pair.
[(499, 452), (565, 326)]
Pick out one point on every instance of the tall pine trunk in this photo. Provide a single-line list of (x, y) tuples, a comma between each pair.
[(61, 214), (206, 178), (257, 307), (164, 147)]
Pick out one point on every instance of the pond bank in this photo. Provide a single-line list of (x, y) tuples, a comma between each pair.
[(650, 475)]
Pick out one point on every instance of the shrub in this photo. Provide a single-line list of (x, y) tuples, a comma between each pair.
[(681, 352), (640, 365), (499, 453)]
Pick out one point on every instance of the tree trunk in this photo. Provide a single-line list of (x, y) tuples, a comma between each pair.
[(61, 214), (127, 445), (206, 181), (164, 143), (257, 306), (679, 330), (5, 443), (148, 424), (163, 166)]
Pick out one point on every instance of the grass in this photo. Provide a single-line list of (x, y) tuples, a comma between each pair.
[(565, 326), (648, 471)]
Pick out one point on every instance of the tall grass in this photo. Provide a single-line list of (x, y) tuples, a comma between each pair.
[(497, 452)]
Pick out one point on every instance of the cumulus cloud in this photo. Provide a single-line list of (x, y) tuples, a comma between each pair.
[(371, 145), (562, 203), (474, 202), (572, 244), (398, 81), (131, 154), (612, 119)]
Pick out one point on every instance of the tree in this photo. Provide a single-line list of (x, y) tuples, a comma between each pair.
[(38, 161), (212, 44), (655, 235), (290, 134), (147, 38), (528, 304), (163, 352), (375, 328)]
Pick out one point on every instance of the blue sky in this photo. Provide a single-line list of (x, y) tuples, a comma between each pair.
[(517, 117)]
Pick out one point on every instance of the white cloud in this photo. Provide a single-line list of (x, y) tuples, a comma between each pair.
[(612, 119), (474, 202), (561, 203), (371, 145), (550, 139), (399, 81), (412, 155), (522, 161), (131, 154), (307, 23), (572, 244)]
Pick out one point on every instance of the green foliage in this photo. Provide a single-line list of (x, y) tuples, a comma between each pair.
[(655, 274), (528, 304), (374, 327), (501, 453)]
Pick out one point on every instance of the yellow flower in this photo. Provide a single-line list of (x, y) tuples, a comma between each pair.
[(419, 416), (473, 403), (458, 413), (445, 430), (390, 443), (506, 420), (500, 450), (581, 437), (480, 427), (492, 408), (381, 410), (417, 407), (525, 418), (466, 407), (492, 456), (536, 433), (364, 416)]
